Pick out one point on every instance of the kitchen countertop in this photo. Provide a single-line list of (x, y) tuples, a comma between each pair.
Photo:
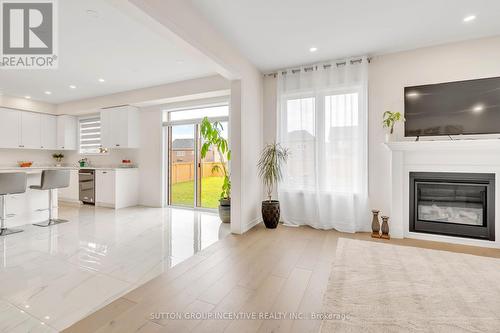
[(38, 169)]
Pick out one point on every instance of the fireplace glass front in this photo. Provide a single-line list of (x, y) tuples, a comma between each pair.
[(452, 204)]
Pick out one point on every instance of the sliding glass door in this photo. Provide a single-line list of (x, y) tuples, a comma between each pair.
[(193, 181), (182, 165), (211, 173)]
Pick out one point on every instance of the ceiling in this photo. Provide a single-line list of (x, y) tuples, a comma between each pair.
[(275, 34), (104, 43)]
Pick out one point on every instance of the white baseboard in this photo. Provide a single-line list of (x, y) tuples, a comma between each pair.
[(251, 224), (70, 202)]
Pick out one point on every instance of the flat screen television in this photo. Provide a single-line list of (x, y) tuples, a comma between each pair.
[(453, 108)]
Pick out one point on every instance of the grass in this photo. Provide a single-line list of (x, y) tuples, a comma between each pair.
[(183, 193)]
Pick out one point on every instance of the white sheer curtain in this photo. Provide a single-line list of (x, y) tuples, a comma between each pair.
[(322, 119)]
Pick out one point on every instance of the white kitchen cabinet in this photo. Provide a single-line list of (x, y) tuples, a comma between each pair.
[(30, 130), (48, 129), (70, 194), (120, 127), (67, 128), (117, 188), (105, 188), (10, 128)]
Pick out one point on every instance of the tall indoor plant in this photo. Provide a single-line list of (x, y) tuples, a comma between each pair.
[(272, 160), (212, 137)]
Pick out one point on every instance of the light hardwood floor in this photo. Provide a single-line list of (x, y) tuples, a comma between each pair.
[(282, 270)]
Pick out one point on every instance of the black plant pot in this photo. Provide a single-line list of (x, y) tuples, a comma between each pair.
[(271, 213)]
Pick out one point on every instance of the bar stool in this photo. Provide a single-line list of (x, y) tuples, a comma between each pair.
[(10, 183), (51, 180)]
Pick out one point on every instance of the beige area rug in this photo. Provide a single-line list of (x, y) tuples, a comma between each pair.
[(377, 287)]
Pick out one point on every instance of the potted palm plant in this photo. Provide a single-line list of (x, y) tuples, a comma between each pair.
[(272, 160), (212, 137)]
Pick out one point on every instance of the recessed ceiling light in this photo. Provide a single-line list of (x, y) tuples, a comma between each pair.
[(27, 97), (101, 80), (469, 18), (92, 13), (478, 108), (48, 92), (72, 86), (313, 49)]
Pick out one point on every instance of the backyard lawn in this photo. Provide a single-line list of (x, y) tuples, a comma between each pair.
[(183, 193)]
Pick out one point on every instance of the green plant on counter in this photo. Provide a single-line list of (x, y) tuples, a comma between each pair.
[(58, 156), (212, 137), (390, 118)]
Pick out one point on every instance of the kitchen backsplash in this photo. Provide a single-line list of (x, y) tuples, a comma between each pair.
[(10, 157)]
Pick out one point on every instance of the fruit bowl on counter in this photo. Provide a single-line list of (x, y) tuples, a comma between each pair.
[(25, 164), (127, 164)]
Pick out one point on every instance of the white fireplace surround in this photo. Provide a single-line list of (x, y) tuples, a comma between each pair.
[(469, 156)]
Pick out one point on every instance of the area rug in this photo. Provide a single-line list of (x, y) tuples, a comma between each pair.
[(377, 287)]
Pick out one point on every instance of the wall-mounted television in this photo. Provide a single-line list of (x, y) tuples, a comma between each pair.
[(453, 108)]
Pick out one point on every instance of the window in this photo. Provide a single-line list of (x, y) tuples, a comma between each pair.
[(90, 135), (181, 153), (300, 139), (321, 132), (341, 110), (197, 113)]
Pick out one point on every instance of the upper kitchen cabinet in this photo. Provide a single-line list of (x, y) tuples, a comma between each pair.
[(30, 130), (120, 127), (48, 129), (67, 127), (10, 128)]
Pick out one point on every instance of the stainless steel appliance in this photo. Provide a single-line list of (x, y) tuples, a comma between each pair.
[(87, 186)]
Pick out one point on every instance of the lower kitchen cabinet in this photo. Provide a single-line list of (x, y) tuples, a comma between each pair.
[(117, 188), (70, 194)]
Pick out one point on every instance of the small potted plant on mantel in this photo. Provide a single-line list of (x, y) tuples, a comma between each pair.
[(212, 137), (58, 157), (272, 160), (389, 120)]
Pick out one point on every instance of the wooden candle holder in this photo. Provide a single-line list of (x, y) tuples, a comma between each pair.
[(375, 224)]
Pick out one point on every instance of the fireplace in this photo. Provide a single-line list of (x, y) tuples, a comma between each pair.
[(453, 204)]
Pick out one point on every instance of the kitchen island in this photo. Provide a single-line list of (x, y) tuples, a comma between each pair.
[(116, 187), (32, 206)]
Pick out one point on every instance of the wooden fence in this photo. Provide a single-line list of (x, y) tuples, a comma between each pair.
[(184, 172)]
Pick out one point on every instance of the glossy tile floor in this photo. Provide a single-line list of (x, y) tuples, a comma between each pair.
[(52, 277)]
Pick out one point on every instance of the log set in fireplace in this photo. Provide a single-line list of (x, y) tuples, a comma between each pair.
[(454, 204)]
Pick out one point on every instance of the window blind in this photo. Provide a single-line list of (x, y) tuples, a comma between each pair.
[(90, 134)]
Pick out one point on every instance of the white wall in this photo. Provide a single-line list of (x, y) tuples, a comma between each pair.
[(151, 158), (10, 157), (113, 158), (388, 75), (26, 104), (183, 90)]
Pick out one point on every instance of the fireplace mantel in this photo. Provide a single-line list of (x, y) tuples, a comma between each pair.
[(439, 145), (462, 156)]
